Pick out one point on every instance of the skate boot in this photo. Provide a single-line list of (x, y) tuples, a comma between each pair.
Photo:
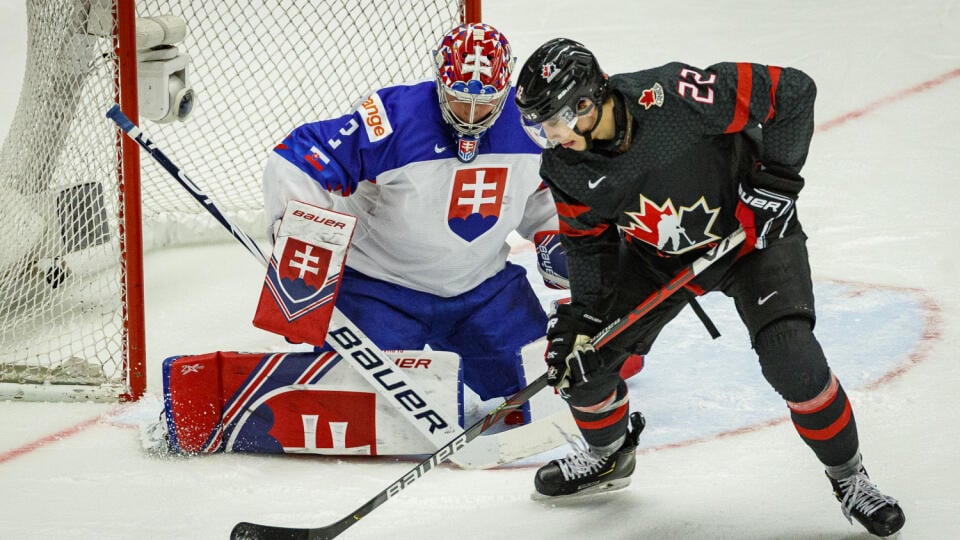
[(878, 513), (154, 437), (587, 470)]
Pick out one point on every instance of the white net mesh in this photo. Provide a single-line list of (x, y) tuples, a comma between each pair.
[(258, 70)]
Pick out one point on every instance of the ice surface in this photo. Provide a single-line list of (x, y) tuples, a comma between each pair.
[(718, 459)]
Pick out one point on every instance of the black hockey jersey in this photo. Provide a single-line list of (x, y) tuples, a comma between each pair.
[(673, 192)]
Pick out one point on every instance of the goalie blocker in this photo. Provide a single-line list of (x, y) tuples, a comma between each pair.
[(303, 277)]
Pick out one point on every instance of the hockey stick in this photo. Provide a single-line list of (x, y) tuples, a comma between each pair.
[(345, 338), (252, 531)]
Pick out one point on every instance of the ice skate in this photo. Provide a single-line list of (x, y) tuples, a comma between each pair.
[(587, 470), (154, 437), (861, 499)]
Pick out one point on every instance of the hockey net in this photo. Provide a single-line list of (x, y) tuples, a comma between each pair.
[(258, 69)]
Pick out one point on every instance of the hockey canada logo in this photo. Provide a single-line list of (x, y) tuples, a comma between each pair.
[(476, 200), (669, 230), (299, 281), (549, 71)]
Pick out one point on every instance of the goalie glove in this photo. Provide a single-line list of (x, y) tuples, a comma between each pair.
[(767, 208)]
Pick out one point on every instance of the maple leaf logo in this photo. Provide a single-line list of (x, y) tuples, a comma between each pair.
[(671, 231), (699, 213), (651, 96), (645, 224)]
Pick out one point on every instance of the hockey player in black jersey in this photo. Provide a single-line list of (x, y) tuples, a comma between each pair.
[(648, 170)]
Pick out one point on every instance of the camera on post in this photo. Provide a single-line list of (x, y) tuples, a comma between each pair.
[(163, 71)]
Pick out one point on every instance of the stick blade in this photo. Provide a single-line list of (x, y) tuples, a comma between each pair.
[(253, 531)]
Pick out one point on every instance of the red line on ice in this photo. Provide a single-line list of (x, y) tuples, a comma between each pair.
[(49, 439), (893, 98)]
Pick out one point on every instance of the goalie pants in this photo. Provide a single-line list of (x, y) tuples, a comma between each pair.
[(773, 294), (487, 326)]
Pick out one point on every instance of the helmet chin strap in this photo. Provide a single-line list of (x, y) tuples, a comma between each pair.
[(587, 134), (621, 125)]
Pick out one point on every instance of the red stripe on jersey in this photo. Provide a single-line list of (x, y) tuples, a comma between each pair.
[(774, 72), (280, 146), (614, 417), (830, 431), (571, 210), (744, 89), (313, 161)]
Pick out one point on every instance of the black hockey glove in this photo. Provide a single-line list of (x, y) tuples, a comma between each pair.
[(766, 208), (570, 357)]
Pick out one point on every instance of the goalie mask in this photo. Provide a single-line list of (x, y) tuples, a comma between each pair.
[(474, 64), (560, 82)]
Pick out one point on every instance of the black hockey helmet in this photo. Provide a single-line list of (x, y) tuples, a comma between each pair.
[(561, 80)]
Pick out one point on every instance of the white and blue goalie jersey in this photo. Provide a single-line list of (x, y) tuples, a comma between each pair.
[(426, 220)]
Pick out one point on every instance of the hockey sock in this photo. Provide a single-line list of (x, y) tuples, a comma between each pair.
[(604, 422), (827, 425)]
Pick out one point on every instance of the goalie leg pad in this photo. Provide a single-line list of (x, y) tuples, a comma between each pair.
[(631, 366), (300, 403)]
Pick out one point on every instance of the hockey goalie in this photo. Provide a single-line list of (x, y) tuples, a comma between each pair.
[(437, 173)]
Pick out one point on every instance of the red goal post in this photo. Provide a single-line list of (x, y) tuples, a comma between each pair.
[(78, 208)]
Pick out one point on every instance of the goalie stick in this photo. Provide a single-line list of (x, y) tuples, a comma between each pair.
[(253, 531), (345, 338)]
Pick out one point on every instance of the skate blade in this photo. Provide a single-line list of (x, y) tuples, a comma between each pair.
[(603, 487), (154, 440)]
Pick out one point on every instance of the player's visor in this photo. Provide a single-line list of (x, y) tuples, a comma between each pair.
[(564, 120)]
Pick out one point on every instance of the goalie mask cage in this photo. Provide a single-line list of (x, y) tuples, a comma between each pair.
[(74, 192)]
